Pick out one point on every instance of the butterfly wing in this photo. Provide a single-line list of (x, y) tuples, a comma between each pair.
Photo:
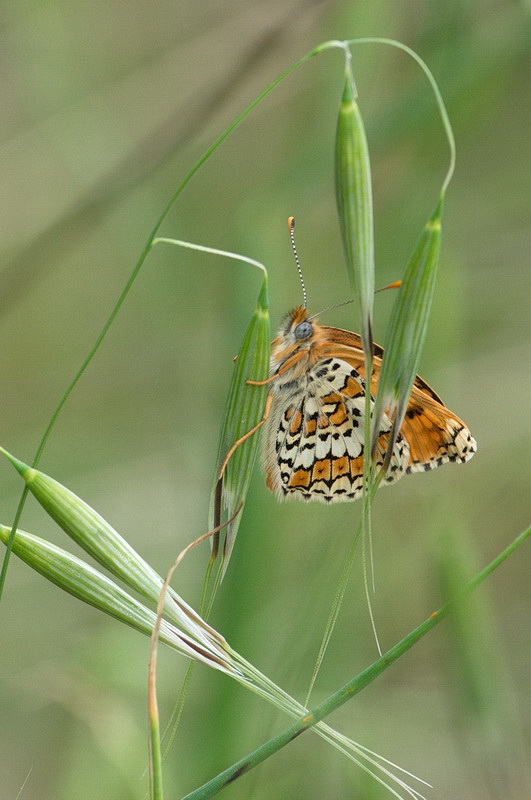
[(314, 435), (435, 434)]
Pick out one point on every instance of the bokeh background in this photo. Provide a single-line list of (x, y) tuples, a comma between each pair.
[(105, 107)]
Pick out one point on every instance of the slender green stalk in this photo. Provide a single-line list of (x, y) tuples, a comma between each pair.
[(243, 412), (244, 408), (156, 791), (349, 690)]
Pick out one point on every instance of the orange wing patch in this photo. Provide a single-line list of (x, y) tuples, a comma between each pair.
[(340, 466), (295, 423), (322, 470), (300, 479), (435, 435)]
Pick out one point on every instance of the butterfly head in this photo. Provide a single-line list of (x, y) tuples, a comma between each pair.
[(297, 342), (297, 329), (297, 326)]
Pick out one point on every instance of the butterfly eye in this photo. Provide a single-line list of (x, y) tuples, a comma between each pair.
[(303, 330)]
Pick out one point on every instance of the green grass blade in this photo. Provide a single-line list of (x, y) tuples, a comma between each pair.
[(244, 411), (245, 408), (156, 789)]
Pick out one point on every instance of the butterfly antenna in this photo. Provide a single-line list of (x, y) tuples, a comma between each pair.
[(331, 308), (394, 285), (291, 228)]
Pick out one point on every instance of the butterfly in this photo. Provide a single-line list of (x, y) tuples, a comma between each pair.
[(313, 424)]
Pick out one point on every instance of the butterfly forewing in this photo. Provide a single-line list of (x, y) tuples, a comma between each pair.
[(435, 435), (313, 437)]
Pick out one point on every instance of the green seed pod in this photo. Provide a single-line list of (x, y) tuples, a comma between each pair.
[(407, 327), (87, 584), (354, 203), (98, 538), (244, 411)]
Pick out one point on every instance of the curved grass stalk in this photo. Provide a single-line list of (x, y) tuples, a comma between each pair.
[(436, 91)]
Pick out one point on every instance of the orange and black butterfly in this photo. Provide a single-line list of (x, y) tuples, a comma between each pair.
[(313, 446)]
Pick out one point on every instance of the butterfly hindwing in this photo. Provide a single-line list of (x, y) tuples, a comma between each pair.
[(317, 436)]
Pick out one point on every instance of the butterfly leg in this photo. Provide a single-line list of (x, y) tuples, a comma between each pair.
[(249, 382), (285, 367), (246, 435)]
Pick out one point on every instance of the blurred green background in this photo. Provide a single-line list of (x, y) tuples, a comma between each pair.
[(105, 106)]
